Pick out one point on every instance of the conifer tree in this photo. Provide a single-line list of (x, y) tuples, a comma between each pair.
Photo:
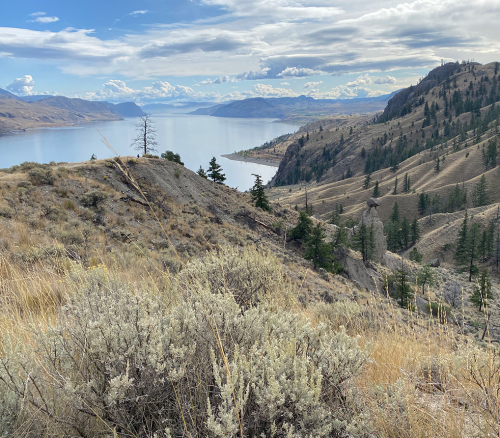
[(303, 229), (405, 233), (215, 172), (395, 191), (415, 256), (436, 166), (415, 231), (403, 288), (479, 194), (482, 295), (363, 241), (318, 250), (368, 178), (259, 195), (460, 253), (376, 190), (201, 172), (472, 248), (425, 277), (394, 217), (423, 203)]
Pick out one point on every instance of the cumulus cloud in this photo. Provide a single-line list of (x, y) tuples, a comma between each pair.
[(216, 81), (284, 83), (312, 84), (366, 79), (41, 17), (116, 90), (297, 72), (23, 86)]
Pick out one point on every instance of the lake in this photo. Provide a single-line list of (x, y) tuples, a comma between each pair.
[(196, 138)]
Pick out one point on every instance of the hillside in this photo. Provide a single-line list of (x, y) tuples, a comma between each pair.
[(300, 109), (18, 114)]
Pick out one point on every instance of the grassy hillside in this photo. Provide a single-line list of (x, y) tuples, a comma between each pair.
[(139, 299)]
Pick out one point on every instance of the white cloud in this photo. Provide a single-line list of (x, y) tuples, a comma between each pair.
[(23, 86), (297, 72), (312, 84), (284, 83), (216, 81), (368, 80), (142, 12), (42, 18)]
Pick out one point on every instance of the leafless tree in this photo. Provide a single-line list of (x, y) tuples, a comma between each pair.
[(145, 141)]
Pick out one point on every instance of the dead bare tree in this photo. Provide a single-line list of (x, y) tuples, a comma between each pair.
[(145, 141)]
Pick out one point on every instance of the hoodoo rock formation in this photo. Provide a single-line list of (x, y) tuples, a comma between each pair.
[(369, 217)]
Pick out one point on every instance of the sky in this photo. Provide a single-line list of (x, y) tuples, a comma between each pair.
[(220, 50)]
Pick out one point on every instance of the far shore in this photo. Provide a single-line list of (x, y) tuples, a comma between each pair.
[(236, 157)]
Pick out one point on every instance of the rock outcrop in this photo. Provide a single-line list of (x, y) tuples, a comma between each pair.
[(369, 217)]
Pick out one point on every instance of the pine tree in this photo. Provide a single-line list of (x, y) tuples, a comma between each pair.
[(472, 248), (318, 250), (215, 172), (376, 190), (403, 288), (415, 256), (259, 195), (479, 194), (423, 203), (405, 233), (303, 229), (425, 277), (415, 231), (460, 253), (482, 295), (395, 191), (145, 141), (406, 183), (368, 178), (394, 217), (363, 241), (202, 173), (436, 166)]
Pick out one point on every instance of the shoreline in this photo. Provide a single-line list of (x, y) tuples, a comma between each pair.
[(264, 162)]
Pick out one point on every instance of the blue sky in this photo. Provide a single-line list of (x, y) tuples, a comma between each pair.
[(219, 50)]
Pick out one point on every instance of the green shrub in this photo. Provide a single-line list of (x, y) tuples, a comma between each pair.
[(93, 199), (120, 358), (39, 176)]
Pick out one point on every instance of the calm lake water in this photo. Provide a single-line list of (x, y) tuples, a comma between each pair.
[(196, 138)]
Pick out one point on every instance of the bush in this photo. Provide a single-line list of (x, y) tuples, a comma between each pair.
[(93, 199), (39, 176), (121, 359)]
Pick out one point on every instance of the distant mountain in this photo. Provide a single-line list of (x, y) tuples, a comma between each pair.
[(293, 107), (126, 109), (182, 108), (6, 93), (34, 98)]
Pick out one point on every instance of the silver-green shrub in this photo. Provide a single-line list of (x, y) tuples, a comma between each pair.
[(119, 360)]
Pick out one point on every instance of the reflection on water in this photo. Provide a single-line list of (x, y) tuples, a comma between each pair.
[(196, 138)]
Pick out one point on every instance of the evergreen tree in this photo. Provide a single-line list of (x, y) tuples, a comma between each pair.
[(415, 231), (405, 233), (423, 203), (415, 256), (436, 166), (472, 248), (363, 241), (479, 194), (318, 250), (406, 187), (395, 191), (303, 229), (425, 277), (202, 173), (376, 190), (482, 295), (259, 195), (394, 217), (215, 172), (460, 253), (368, 178), (403, 288), (170, 156)]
